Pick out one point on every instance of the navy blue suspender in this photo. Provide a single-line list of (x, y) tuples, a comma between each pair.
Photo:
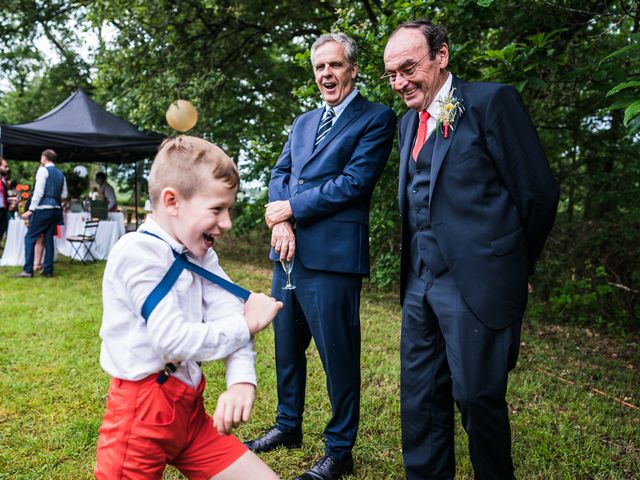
[(160, 291)]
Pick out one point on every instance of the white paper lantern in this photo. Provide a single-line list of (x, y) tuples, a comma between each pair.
[(181, 115), (80, 171)]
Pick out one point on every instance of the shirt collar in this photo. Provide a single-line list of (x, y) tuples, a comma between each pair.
[(338, 109), (443, 92), (151, 226)]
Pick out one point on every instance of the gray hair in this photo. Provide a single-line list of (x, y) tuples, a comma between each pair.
[(350, 47)]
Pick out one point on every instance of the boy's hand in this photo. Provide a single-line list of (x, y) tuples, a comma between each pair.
[(259, 311), (234, 407)]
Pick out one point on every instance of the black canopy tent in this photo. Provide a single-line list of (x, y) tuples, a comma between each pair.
[(79, 130)]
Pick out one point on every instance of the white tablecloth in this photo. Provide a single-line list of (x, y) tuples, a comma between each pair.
[(109, 231), (13, 253)]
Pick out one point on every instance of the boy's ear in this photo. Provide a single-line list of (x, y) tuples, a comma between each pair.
[(169, 200)]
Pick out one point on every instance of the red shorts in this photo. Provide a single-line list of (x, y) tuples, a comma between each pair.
[(147, 426)]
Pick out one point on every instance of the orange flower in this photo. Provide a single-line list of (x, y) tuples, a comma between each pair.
[(26, 188), (25, 195)]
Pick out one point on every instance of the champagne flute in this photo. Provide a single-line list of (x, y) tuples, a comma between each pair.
[(287, 266)]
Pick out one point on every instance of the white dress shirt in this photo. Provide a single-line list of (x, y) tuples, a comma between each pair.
[(434, 107), (38, 189), (109, 195), (338, 109), (196, 321)]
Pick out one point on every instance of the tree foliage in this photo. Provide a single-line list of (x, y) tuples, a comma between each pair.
[(245, 65)]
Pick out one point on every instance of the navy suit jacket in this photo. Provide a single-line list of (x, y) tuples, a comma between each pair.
[(492, 196), (330, 188)]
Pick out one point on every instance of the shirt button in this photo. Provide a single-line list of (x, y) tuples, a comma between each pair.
[(300, 182)]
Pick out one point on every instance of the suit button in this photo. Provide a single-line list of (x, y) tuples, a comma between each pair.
[(300, 182), (419, 228), (416, 209), (415, 190), (417, 170), (296, 194)]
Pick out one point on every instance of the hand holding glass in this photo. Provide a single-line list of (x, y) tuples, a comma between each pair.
[(287, 266)]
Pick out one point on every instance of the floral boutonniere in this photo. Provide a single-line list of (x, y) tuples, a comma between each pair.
[(448, 108)]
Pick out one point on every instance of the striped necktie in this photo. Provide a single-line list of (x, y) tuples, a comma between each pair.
[(325, 125)]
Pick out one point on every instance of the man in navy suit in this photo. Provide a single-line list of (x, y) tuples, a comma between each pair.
[(478, 200), (318, 211)]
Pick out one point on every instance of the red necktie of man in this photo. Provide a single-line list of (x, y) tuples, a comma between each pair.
[(422, 134)]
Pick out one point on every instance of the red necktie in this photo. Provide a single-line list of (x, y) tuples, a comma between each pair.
[(422, 134)]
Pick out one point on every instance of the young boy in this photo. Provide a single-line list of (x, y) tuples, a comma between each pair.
[(155, 414)]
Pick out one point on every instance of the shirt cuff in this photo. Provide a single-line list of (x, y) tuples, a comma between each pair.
[(241, 370)]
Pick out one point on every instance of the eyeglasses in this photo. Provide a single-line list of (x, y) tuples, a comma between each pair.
[(405, 73)]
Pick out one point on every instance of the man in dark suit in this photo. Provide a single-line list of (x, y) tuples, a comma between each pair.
[(318, 211), (478, 200)]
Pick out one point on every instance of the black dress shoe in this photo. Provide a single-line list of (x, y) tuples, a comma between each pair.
[(274, 438), (46, 274), (23, 274), (328, 468)]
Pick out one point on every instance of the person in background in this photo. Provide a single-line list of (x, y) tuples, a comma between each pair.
[(44, 213), (4, 196), (107, 191)]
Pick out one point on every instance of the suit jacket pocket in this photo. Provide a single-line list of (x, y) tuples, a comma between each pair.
[(507, 243), (356, 216)]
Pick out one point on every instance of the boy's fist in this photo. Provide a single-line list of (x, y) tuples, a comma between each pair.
[(259, 311)]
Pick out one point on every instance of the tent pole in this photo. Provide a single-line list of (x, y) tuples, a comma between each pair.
[(136, 200)]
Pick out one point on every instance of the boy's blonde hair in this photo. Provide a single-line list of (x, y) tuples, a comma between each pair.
[(188, 164)]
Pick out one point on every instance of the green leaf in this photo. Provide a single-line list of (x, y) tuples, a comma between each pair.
[(632, 111), (618, 52), (520, 85), (494, 54), (621, 103), (484, 3), (622, 86)]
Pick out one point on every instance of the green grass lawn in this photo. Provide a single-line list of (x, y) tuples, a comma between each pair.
[(52, 390)]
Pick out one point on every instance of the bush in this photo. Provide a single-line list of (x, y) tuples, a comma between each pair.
[(590, 274)]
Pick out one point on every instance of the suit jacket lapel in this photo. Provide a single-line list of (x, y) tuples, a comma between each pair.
[(405, 153), (349, 115), (308, 131), (442, 144)]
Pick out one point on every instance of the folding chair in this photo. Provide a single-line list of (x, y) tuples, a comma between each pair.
[(86, 240)]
